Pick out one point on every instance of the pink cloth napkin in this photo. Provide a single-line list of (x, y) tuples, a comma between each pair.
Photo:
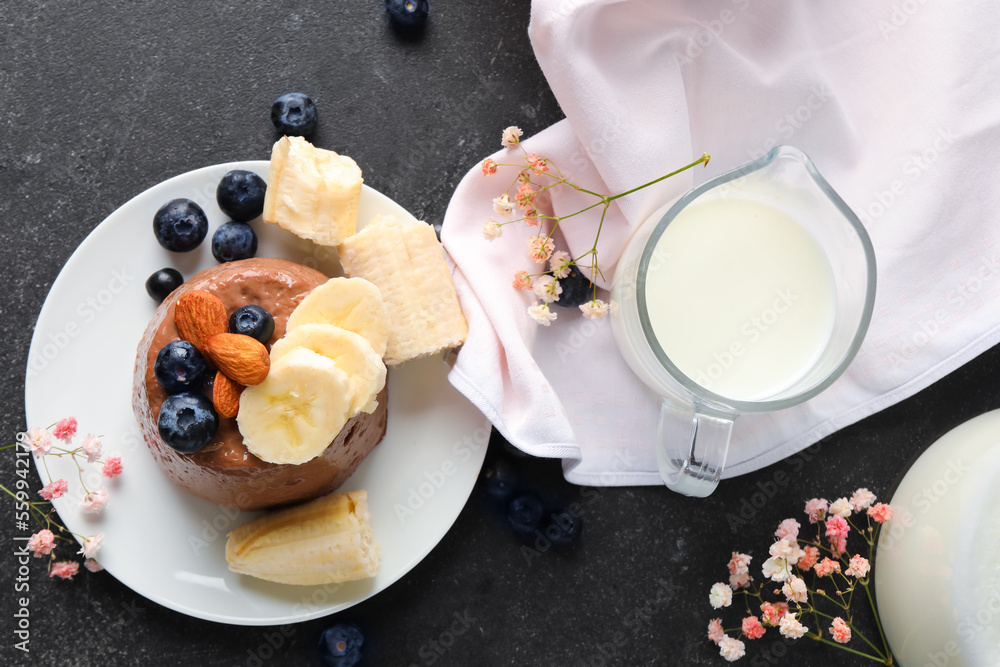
[(897, 103)]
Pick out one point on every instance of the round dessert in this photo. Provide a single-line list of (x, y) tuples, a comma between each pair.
[(224, 471)]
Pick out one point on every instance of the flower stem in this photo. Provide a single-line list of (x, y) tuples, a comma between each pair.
[(703, 159), (877, 658), (878, 621)]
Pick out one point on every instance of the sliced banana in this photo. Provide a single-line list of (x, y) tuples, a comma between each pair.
[(327, 540), (404, 259), (348, 350), (311, 192), (294, 414), (349, 303)]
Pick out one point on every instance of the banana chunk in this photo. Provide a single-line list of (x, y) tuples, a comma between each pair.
[(349, 351), (405, 260), (312, 192), (297, 411), (325, 541), (348, 303)]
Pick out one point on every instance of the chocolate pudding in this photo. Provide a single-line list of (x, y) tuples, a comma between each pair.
[(225, 472)]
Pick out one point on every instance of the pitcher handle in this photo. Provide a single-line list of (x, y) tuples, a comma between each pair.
[(691, 448)]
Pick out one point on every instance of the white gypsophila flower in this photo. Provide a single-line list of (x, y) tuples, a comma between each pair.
[(541, 314), (841, 507), (721, 595), (547, 288)]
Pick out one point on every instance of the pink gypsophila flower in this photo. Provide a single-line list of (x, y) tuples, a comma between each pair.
[(547, 288), (559, 264), (42, 543), (489, 167), (809, 559), (95, 501), (521, 280), (789, 550), (720, 596), (880, 512), (816, 509), (715, 632), (538, 163), (112, 467), (826, 567), (531, 217), (64, 569), (65, 429), (840, 630), (525, 197), (771, 614), (795, 590), (541, 314), (788, 530), (91, 447), (790, 627), (54, 490), (91, 545), (859, 567), (862, 499), (594, 310), (540, 248), (837, 530), (731, 649), (752, 627), (511, 137), (37, 440), (92, 565), (738, 581), (739, 563)]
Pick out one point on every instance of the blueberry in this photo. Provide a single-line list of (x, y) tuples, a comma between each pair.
[(407, 17), (562, 527), (576, 289), (524, 512), (180, 367), (294, 114), (233, 241), (252, 321), (340, 645), (501, 480), (162, 283), (180, 225), (187, 422), (241, 195)]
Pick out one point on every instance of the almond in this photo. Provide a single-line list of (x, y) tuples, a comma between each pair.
[(242, 358), (199, 315), (226, 395)]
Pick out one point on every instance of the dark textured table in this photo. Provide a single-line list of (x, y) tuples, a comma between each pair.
[(100, 101)]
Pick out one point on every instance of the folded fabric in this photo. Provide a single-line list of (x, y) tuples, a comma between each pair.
[(896, 103)]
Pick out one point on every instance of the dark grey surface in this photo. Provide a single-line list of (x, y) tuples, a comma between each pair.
[(102, 100)]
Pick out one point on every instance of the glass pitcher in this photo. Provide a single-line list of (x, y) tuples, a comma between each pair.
[(750, 293)]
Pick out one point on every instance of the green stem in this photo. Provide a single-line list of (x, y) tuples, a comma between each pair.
[(854, 630), (878, 622), (879, 658), (704, 158)]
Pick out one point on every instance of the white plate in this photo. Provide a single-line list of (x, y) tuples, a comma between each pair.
[(166, 544)]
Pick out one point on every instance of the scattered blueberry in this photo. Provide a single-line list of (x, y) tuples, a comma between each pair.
[(294, 114), (180, 367), (576, 289), (340, 645), (180, 225), (524, 512), (233, 241), (562, 527), (162, 283), (252, 321), (407, 16), (241, 195), (501, 480), (187, 422)]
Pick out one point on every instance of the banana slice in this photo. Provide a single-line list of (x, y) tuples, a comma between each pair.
[(311, 192), (325, 541), (349, 303), (405, 260), (294, 414), (349, 351)]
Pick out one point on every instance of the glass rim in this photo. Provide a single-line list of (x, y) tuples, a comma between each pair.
[(707, 395)]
